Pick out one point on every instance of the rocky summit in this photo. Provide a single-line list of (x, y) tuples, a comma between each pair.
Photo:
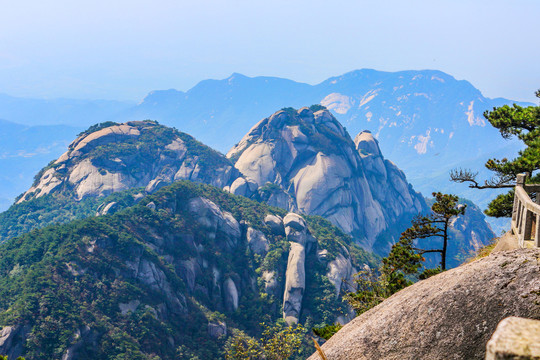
[(449, 316), (111, 157), (304, 160)]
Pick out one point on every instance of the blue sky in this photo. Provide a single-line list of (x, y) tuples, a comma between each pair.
[(119, 49)]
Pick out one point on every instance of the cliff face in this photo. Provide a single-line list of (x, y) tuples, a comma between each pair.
[(115, 157), (180, 269), (306, 161), (449, 316)]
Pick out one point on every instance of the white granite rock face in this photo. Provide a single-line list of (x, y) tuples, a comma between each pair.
[(341, 273), (231, 295), (78, 170), (301, 242), (215, 221), (295, 283), (257, 241), (321, 171)]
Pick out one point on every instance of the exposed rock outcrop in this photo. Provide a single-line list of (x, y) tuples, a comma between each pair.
[(215, 221), (257, 241), (387, 183), (275, 223), (217, 329), (231, 295), (449, 316), (300, 241), (341, 273), (12, 339), (135, 154), (305, 161)]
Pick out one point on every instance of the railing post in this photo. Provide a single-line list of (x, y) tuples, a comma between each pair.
[(521, 227), (519, 220), (527, 226), (537, 231), (520, 181)]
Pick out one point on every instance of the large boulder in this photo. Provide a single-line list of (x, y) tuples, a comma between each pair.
[(449, 316), (257, 241), (275, 223)]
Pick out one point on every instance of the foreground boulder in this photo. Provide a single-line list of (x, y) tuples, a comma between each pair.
[(449, 316)]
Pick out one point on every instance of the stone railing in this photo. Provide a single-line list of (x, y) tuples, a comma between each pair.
[(526, 213), (515, 338)]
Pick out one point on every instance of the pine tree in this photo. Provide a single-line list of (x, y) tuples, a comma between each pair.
[(523, 123), (405, 260)]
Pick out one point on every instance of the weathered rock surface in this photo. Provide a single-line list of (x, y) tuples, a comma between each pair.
[(275, 223), (105, 209), (231, 295), (93, 167), (295, 283), (515, 338), (257, 241), (215, 221), (341, 273), (300, 241), (217, 329), (449, 316), (319, 170), (387, 182), (12, 339)]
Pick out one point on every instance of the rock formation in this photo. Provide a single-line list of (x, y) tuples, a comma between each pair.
[(305, 161), (116, 157), (449, 316), (301, 242)]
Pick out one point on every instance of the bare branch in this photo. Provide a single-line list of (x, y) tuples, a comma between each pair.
[(496, 182), (464, 175)]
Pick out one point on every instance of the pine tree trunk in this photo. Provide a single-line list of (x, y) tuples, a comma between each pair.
[(445, 243)]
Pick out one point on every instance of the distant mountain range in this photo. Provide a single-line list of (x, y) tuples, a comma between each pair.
[(73, 112), (26, 149), (426, 122)]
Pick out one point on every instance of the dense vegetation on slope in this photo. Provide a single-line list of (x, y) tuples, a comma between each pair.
[(56, 209), (68, 286)]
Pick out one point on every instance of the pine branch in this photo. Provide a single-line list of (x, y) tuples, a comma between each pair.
[(467, 176)]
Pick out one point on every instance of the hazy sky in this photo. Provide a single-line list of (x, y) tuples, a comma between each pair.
[(119, 49)]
